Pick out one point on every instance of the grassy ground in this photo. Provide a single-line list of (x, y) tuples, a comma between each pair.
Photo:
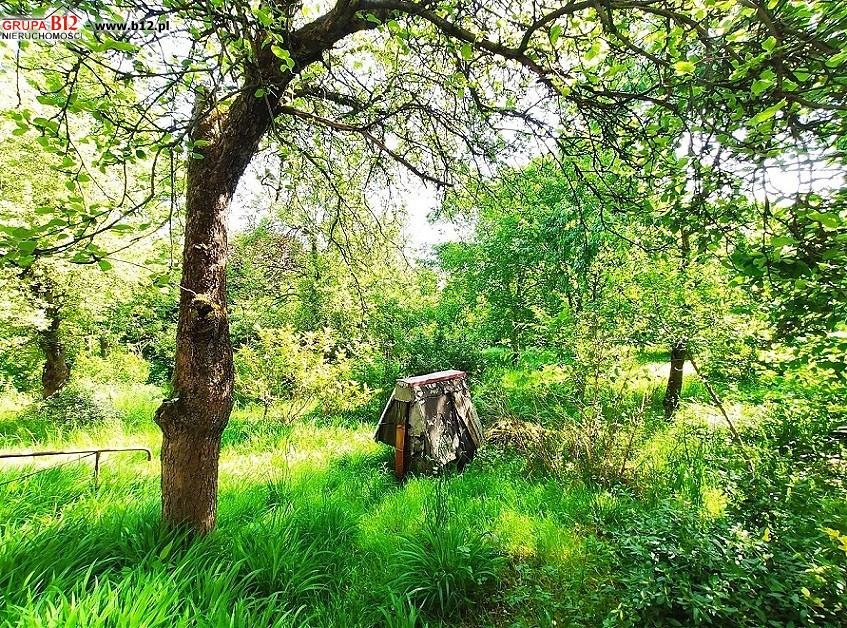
[(313, 530)]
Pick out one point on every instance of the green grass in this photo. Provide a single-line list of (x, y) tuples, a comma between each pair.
[(303, 538), (313, 530)]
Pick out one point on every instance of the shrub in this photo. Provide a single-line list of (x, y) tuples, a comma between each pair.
[(73, 406), (291, 372), (776, 554), (119, 366), (678, 569), (434, 347), (11, 399)]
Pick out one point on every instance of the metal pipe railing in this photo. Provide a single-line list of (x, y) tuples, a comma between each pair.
[(82, 453)]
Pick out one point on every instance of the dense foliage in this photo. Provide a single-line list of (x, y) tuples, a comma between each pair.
[(587, 507)]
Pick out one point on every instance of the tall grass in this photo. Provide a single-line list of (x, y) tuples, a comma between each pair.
[(321, 535), (313, 530)]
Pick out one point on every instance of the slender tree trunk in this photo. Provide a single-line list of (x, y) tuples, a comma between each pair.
[(514, 331), (56, 372), (515, 345), (679, 353), (673, 392)]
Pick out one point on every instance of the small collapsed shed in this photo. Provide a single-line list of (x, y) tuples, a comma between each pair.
[(431, 422)]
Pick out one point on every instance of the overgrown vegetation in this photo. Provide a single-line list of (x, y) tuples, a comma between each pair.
[(660, 523), (210, 247)]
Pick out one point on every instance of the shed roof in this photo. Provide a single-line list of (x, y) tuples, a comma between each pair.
[(431, 378)]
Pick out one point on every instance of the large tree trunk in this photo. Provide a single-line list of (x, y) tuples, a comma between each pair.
[(56, 372), (194, 417), (673, 392)]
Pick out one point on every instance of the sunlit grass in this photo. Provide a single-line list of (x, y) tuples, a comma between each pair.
[(314, 530), (311, 525)]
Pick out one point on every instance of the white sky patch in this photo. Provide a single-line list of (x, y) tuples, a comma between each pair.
[(420, 231), (254, 201), (784, 180)]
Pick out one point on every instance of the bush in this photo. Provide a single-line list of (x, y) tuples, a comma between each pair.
[(73, 406), (679, 569), (119, 366), (436, 347), (289, 373), (776, 553)]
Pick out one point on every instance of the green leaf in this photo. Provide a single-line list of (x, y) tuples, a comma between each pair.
[(161, 280), (837, 60), (466, 51), (761, 85), (114, 44), (767, 114), (280, 52), (555, 33), (104, 264), (683, 67), (827, 219), (264, 15), (27, 246), (769, 44), (260, 93), (780, 241)]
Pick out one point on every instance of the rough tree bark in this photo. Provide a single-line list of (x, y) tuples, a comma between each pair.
[(194, 417), (673, 392), (55, 373)]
